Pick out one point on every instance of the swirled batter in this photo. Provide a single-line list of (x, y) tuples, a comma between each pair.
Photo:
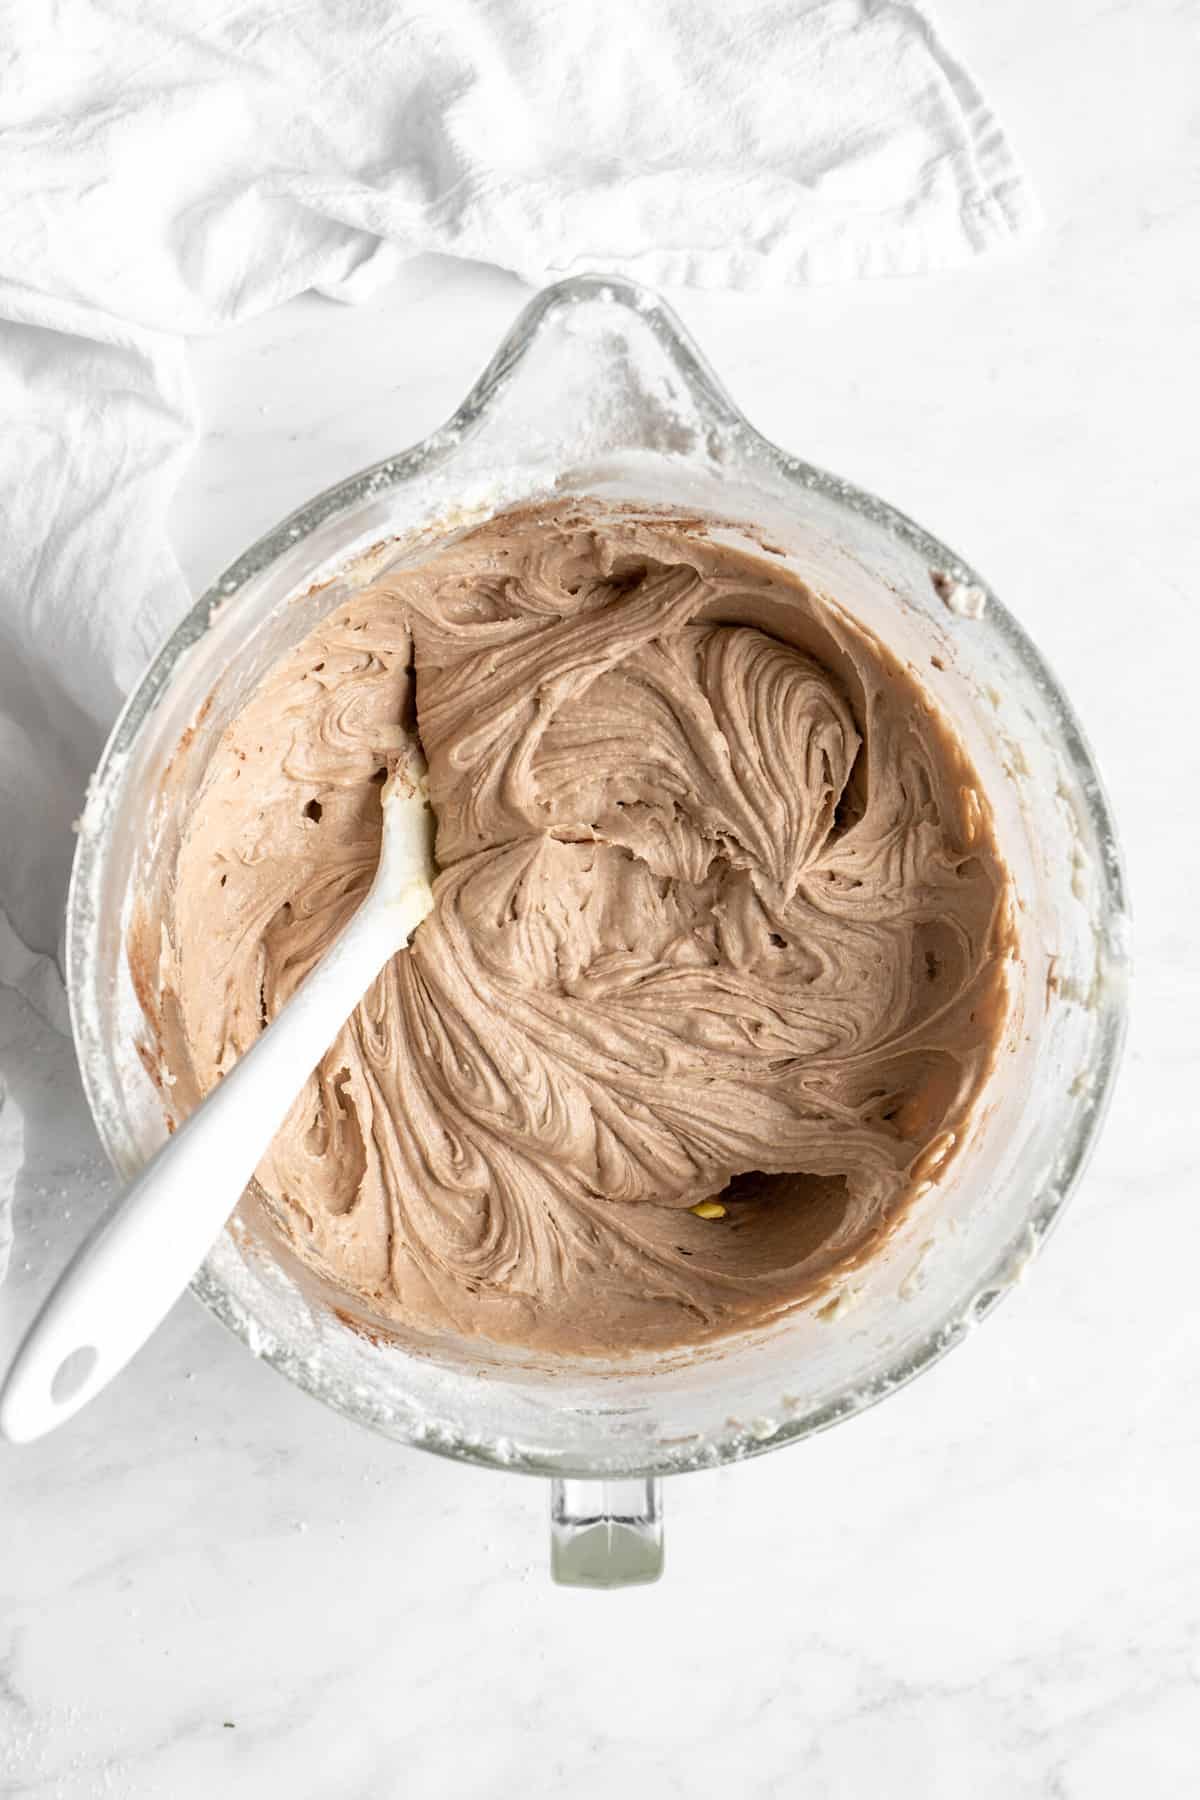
[(720, 917)]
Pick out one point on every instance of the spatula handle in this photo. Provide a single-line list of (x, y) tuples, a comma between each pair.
[(132, 1268)]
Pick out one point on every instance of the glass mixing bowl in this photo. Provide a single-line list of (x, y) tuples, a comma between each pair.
[(597, 390)]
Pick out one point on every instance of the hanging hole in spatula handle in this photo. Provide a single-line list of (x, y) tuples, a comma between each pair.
[(112, 1296), (130, 1272), (72, 1372)]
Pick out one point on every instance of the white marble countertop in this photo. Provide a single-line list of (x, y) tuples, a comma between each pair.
[(989, 1586)]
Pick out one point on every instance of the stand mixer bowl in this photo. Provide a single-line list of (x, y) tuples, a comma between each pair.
[(598, 391)]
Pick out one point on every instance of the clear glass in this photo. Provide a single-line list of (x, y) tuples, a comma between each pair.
[(598, 390), (606, 1533)]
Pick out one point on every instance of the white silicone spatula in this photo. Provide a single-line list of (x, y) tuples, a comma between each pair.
[(130, 1271)]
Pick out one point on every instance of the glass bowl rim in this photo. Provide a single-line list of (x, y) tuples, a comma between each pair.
[(722, 417)]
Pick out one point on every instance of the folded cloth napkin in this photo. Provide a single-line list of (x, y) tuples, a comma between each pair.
[(167, 170)]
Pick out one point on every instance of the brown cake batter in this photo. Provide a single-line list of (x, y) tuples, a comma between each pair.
[(720, 918)]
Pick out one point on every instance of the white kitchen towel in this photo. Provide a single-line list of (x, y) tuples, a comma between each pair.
[(168, 169)]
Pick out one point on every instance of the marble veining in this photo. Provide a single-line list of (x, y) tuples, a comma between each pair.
[(988, 1585)]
